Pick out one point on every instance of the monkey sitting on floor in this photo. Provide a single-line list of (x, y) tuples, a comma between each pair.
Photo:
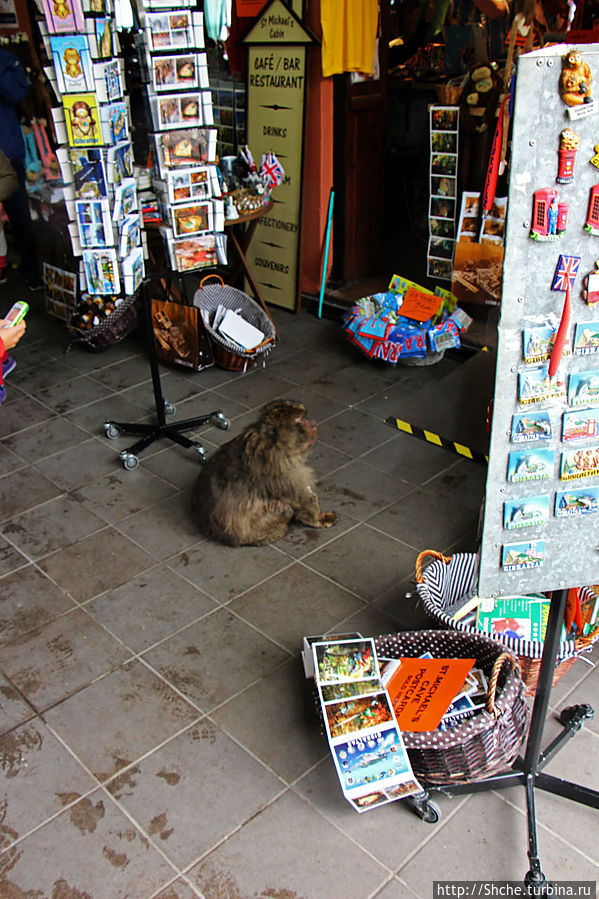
[(256, 484)]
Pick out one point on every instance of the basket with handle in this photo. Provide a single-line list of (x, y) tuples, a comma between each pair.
[(449, 578), (227, 354), (110, 330), (489, 740)]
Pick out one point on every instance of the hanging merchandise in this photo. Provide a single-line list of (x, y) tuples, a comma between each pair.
[(217, 16), (33, 164), (444, 129), (348, 36), (50, 166)]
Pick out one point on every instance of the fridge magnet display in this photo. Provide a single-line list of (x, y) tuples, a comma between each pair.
[(89, 174), (72, 64), (188, 184), (82, 120), (530, 466), (525, 512), (191, 219), (535, 386), (570, 503), (518, 556), (583, 388), (592, 222), (590, 292), (101, 271), (580, 463), (586, 338), (549, 215), (580, 425), (170, 72), (193, 253), (528, 427), (63, 16), (575, 79), (538, 342), (93, 223), (177, 110), (568, 147)]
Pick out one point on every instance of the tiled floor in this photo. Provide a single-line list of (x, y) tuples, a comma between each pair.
[(158, 737)]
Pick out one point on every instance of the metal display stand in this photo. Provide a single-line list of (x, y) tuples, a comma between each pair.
[(149, 433)]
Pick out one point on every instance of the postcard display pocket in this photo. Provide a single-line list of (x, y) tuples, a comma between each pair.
[(541, 521), (95, 153), (444, 129), (179, 110)]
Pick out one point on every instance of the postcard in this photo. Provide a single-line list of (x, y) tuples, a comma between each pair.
[(177, 110), (185, 147), (345, 660), (103, 32), (530, 466), (348, 716), (525, 512), (191, 219), (174, 72), (581, 463), (133, 270), (583, 388), (125, 199), (518, 556), (130, 233), (89, 173), (101, 271), (109, 84), (172, 30), (120, 160), (348, 689), (63, 17), (444, 118), (570, 503), (377, 759), (528, 427), (93, 223), (72, 64), (115, 122), (82, 120), (586, 338), (189, 184), (194, 252)]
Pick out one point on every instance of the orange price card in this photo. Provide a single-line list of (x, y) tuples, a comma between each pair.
[(420, 305), (421, 690)]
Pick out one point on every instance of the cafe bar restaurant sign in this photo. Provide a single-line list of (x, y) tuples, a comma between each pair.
[(276, 89)]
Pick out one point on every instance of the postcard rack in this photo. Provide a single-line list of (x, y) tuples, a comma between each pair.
[(149, 433)]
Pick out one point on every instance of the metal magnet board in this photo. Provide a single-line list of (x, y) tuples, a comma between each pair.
[(541, 518)]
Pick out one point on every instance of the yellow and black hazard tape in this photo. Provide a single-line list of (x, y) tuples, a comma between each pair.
[(451, 445)]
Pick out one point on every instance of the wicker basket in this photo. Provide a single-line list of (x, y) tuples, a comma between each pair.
[(227, 354), (488, 741), (449, 578), (112, 329)]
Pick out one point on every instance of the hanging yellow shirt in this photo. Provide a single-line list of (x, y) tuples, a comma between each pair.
[(349, 30)]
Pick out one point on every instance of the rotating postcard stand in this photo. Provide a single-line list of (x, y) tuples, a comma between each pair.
[(149, 433), (541, 520)]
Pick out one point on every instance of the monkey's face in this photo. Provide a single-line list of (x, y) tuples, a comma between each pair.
[(286, 423)]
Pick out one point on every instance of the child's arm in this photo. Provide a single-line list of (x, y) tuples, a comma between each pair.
[(11, 336)]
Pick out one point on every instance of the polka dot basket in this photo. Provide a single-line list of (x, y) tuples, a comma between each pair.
[(448, 580), (488, 741)]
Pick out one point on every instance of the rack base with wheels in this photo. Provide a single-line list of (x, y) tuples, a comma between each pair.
[(149, 433)]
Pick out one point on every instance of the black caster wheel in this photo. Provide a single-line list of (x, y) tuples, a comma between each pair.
[(130, 462), (573, 716), (111, 430), (169, 409), (220, 421), (201, 453), (426, 810)]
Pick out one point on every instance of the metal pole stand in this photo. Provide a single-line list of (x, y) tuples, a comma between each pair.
[(151, 432)]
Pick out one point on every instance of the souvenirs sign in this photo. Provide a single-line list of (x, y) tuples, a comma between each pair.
[(276, 88)]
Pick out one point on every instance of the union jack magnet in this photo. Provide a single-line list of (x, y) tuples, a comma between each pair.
[(565, 272)]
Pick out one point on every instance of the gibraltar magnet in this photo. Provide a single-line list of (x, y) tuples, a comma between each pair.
[(590, 290), (549, 215), (568, 147)]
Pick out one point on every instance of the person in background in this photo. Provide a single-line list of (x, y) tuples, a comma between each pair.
[(14, 86), (9, 338)]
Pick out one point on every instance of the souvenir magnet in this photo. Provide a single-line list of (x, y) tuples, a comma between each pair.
[(581, 463), (592, 222), (563, 279), (535, 386), (549, 216), (576, 502), (568, 146), (575, 80), (516, 556), (590, 292), (525, 512), (530, 426), (586, 339), (580, 424), (594, 160), (583, 388), (530, 466)]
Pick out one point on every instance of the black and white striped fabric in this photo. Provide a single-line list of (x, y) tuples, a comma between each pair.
[(445, 583)]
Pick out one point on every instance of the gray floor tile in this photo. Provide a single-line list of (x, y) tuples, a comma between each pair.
[(46, 438), (28, 600), (262, 858), (208, 676), (292, 603), (91, 849), (175, 464), (56, 660), (134, 711), (13, 708), (48, 527), (24, 489), (135, 370), (194, 791), (165, 528), (123, 493), (149, 607), (36, 777), (360, 490), (9, 461), (275, 719), (70, 395), (224, 572), (36, 379), (97, 563), (70, 468), (113, 407), (179, 889), (10, 558), (354, 432), (259, 387), (22, 414), (412, 460)]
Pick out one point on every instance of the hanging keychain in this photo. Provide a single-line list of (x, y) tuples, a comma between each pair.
[(33, 165), (49, 161)]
